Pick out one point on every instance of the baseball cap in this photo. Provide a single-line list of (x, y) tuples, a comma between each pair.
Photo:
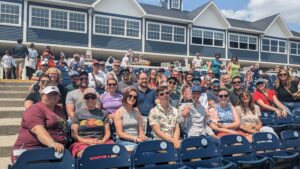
[(172, 78), (161, 70), (89, 91), (83, 73), (196, 88), (215, 80), (94, 62), (44, 62), (124, 71), (260, 80), (50, 89), (73, 73)]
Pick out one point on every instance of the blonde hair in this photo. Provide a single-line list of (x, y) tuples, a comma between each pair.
[(54, 70), (278, 82)]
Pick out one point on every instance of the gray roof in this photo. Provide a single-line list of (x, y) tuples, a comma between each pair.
[(87, 2), (259, 25), (297, 34), (198, 10), (157, 10)]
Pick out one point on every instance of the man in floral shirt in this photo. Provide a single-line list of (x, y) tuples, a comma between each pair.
[(164, 119)]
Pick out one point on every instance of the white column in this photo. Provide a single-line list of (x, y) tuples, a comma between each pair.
[(25, 12), (226, 40), (89, 54), (143, 34), (90, 20), (259, 46), (288, 51), (186, 59)]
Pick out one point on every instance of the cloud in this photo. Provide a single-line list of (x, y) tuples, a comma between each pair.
[(257, 9)]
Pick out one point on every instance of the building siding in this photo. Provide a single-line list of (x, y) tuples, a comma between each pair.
[(108, 42), (56, 37), (294, 59), (244, 54), (206, 51), (273, 57)]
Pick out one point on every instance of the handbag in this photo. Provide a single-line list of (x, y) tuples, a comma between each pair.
[(296, 95)]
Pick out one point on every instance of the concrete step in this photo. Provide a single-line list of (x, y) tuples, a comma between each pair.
[(14, 94), (8, 141), (4, 162), (9, 130), (10, 114), (5, 151), (14, 88), (8, 102)]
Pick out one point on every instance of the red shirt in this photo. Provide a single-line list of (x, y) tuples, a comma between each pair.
[(39, 114), (258, 95)]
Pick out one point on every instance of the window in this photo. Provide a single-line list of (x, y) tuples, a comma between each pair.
[(295, 48), (10, 14), (56, 19), (115, 26), (165, 33), (207, 37), (176, 4), (233, 41), (273, 45), (244, 42)]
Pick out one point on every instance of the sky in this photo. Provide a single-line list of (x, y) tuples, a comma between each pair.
[(251, 10)]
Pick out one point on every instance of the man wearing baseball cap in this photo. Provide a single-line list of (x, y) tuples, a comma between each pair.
[(43, 69), (212, 95), (97, 77), (74, 78), (74, 100)]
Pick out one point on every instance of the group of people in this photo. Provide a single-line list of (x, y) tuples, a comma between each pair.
[(121, 107)]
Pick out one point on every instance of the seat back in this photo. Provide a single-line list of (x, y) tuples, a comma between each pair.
[(296, 111), (284, 120), (44, 158), (266, 143), (105, 156), (291, 140), (200, 148), (236, 148), (154, 153), (268, 118)]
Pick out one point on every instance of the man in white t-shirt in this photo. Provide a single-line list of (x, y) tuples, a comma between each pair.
[(197, 61), (97, 78)]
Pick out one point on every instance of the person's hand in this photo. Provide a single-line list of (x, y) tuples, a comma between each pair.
[(284, 113), (185, 111), (278, 113), (176, 143), (111, 116), (143, 137), (57, 147), (220, 125), (100, 142), (91, 141)]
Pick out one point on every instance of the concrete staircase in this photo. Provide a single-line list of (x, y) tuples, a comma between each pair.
[(12, 95)]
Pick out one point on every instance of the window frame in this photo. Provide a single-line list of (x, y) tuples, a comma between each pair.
[(297, 48), (238, 41), (270, 45), (50, 18), (20, 13), (160, 32), (177, 2), (202, 38), (110, 26)]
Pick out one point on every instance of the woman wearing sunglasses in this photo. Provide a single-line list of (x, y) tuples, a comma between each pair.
[(286, 87), (229, 121), (267, 100), (249, 115), (128, 121), (89, 125), (111, 100)]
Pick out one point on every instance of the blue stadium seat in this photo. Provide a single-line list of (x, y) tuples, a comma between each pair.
[(155, 154), (296, 111), (44, 158), (117, 157), (200, 152), (268, 145), (291, 140), (277, 123), (237, 149), (267, 118)]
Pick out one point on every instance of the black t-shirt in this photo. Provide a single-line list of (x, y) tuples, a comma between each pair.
[(284, 95), (34, 97)]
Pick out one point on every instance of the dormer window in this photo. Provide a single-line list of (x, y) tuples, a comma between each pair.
[(175, 4)]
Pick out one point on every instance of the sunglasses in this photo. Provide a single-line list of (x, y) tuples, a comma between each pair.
[(172, 82), (90, 96), (116, 65), (245, 96), (112, 84), (45, 81), (283, 74), (236, 82), (259, 83), (164, 93), (210, 73), (125, 74), (83, 78), (132, 97), (223, 95)]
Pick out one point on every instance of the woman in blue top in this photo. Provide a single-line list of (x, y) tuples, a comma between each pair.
[(216, 65), (229, 121)]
